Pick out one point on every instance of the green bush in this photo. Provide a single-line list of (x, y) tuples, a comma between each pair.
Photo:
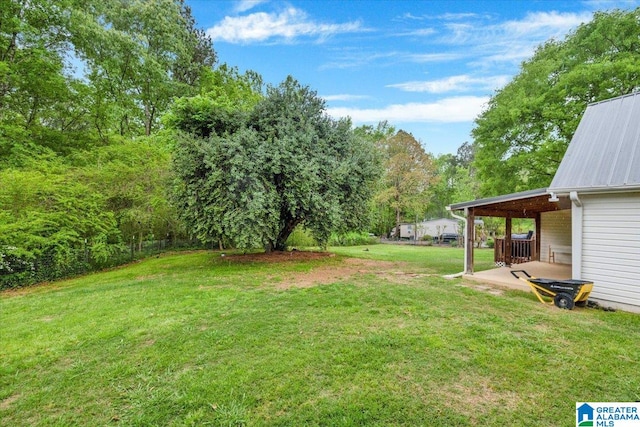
[(301, 238), (352, 238), (16, 267)]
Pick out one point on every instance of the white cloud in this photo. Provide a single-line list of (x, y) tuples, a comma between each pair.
[(434, 57), (544, 24), (510, 41), (534, 27), (289, 24), (244, 5), (445, 16), (458, 83), (447, 110), (421, 32), (352, 58), (345, 97), (358, 58)]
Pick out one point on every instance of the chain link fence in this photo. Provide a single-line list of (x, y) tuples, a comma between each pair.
[(19, 270)]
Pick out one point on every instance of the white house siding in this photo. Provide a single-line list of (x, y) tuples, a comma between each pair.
[(431, 228), (556, 231), (611, 246), (435, 227)]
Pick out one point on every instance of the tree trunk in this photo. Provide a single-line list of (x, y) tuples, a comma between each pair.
[(281, 241)]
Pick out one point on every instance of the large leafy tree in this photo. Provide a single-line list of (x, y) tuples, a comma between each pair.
[(381, 213), (409, 173), (38, 97), (138, 55), (133, 179), (260, 174), (522, 136)]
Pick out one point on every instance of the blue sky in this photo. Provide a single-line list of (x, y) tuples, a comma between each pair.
[(428, 67)]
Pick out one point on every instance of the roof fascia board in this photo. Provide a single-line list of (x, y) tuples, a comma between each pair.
[(594, 190), (499, 199)]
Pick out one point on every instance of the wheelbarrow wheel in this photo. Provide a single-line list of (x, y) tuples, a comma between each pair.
[(564, 300)]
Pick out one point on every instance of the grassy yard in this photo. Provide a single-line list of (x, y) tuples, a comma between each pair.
[(378, 340), (443, 260)]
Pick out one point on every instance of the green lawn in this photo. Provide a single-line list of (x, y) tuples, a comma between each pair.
[(199, 339), (443, 260)]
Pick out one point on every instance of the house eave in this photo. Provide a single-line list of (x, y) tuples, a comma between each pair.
[(498, 199), (595, 190)]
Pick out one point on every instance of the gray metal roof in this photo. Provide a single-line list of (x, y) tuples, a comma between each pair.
[(604, 153)]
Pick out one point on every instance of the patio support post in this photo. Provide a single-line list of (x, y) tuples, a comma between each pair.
[(538, 235), (507, 240), (576, 235), (468, 244)]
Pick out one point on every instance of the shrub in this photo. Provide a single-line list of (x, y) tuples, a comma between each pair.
[(301, 238), (352, 238), (16, 267)]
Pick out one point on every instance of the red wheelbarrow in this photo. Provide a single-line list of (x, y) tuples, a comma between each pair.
[(565, 293)]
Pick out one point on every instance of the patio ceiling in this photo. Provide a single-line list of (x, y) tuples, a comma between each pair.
[(526, 204)]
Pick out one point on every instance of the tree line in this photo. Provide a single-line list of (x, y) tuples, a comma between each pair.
[(118, 126)]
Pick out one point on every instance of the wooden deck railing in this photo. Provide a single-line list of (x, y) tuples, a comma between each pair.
[(522, 250)]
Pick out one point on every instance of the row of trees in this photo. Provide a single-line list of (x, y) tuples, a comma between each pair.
[(117, 126), (84, 164)]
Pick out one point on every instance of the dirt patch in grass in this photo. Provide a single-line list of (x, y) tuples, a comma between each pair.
[(326, 274), (484, 288), (6, 403), (27, 290), (279, 256), (478, 396)]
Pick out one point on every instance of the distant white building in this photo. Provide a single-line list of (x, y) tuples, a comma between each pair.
[(434, 227)]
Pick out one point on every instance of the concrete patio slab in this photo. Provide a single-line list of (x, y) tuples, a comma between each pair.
[(502, 276)]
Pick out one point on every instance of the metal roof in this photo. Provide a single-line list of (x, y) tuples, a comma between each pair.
[(525, 204), (604, 154)]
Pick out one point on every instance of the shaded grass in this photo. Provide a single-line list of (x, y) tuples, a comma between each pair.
[(198, 340)]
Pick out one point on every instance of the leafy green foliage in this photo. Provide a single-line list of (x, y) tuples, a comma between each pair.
[(133, 177), (225, 99), (301, 238), (79, 80), (139, 55), (409, 174), (46, 213), (523, 134), (381, 213), (352, 238), (260, 175), (457, 180)]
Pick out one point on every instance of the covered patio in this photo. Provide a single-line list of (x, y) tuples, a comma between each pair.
[(503, 278), (526, 204)]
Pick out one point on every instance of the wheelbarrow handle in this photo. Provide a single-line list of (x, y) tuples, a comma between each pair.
[(519, 271)]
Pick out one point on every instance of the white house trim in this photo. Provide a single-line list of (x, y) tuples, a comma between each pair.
[(576, 235)]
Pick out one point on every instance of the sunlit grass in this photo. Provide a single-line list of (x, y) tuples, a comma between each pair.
[(442, 260)]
